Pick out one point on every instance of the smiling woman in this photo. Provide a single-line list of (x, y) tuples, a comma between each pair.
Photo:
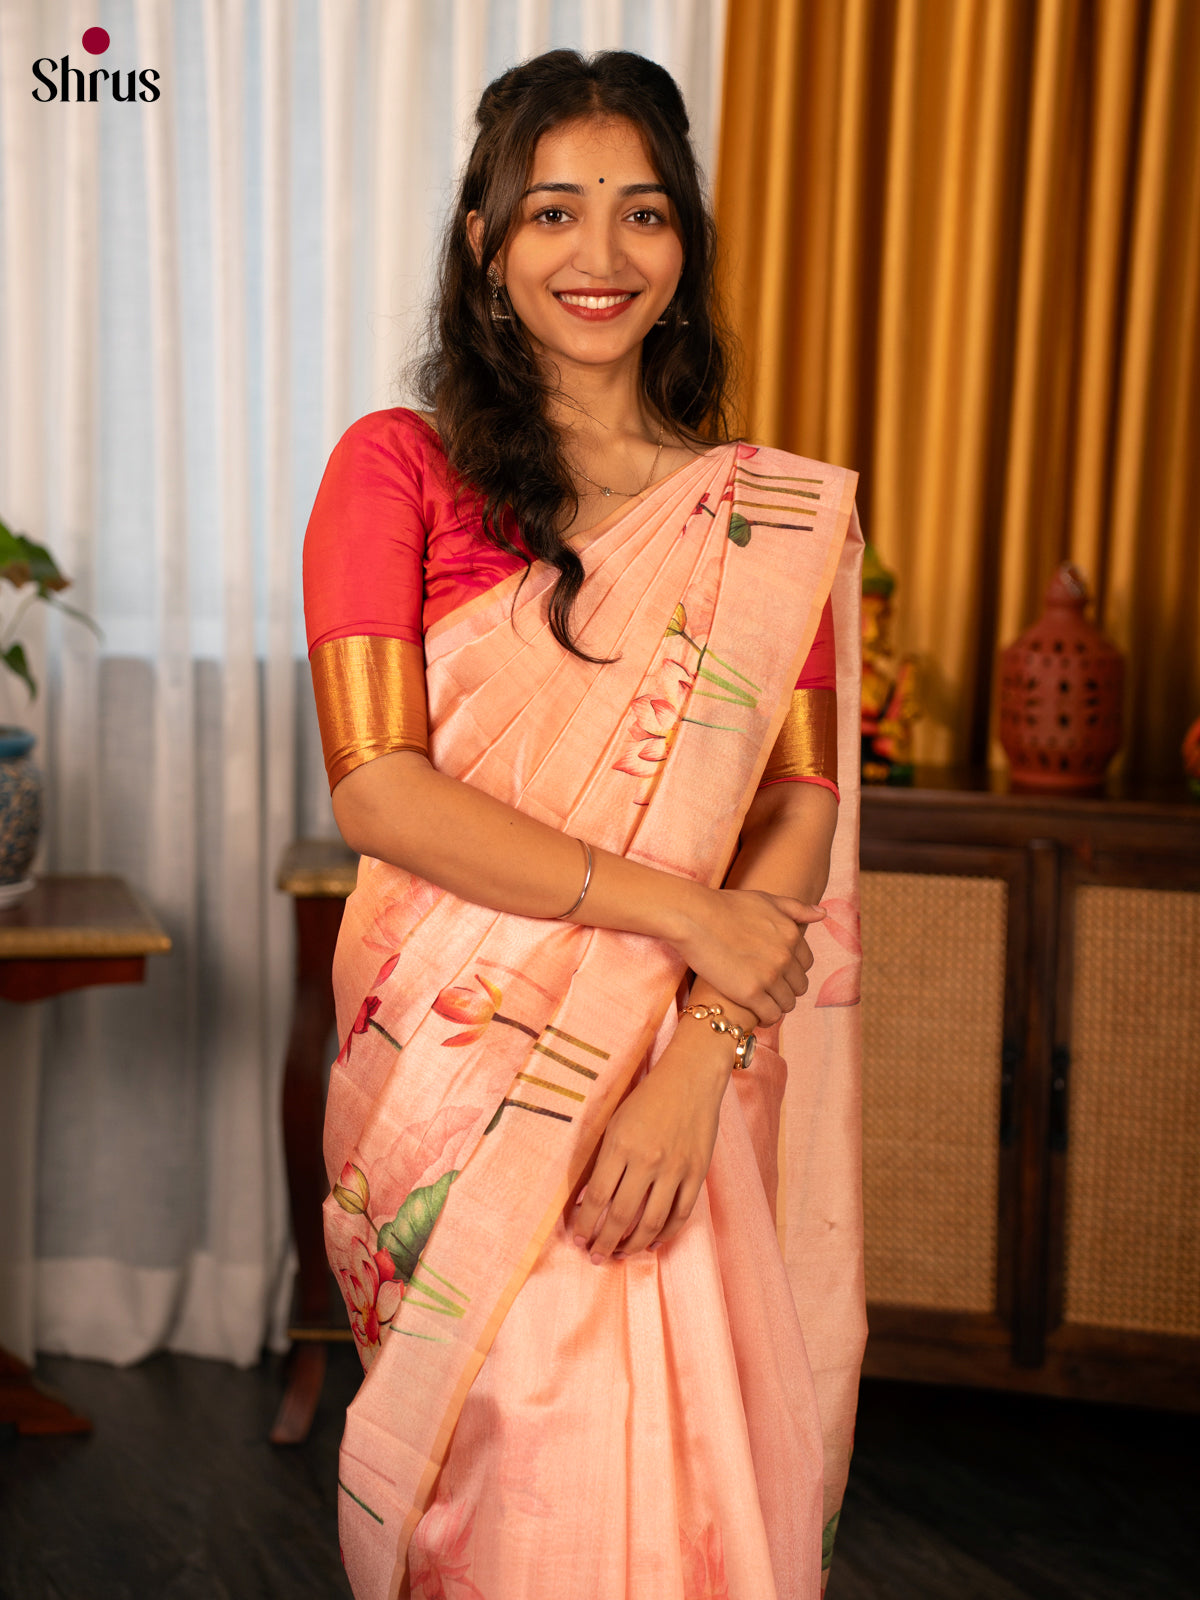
[(590, 759), (607, 257)]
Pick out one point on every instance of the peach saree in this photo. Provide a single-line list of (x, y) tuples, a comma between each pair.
[(677, 1425)]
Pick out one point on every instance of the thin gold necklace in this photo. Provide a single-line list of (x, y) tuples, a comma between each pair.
[(630, 494)]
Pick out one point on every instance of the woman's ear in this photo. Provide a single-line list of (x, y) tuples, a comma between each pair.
[(475, 235)]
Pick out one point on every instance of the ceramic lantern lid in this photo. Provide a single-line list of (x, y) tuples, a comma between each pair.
[(1061, 691)]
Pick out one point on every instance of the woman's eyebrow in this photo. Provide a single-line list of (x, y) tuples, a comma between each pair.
[(577, 188)]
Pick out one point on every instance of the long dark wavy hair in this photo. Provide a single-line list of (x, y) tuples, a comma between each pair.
[(480, 376)]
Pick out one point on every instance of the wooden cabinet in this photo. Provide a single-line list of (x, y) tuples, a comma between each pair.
[(1031, 1090)]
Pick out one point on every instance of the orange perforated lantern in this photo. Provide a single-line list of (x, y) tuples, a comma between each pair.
[(1061, 686)]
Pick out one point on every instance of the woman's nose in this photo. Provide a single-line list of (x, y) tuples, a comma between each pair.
[(597, 253)]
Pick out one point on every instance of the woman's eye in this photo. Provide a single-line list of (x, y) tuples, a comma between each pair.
[(551, 214), (647, 216)]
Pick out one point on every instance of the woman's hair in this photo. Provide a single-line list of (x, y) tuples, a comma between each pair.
[(480, 375)]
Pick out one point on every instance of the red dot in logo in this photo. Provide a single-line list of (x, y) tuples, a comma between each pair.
[(95, 41)]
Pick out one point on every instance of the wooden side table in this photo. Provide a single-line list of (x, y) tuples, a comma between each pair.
[(68, 933), (318, 874), (72, 933)]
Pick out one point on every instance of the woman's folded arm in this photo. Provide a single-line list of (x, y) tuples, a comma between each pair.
[(656, 1150), (398, 808), (784, 850)]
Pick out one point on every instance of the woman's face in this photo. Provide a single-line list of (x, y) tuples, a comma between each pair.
[(595, 255)]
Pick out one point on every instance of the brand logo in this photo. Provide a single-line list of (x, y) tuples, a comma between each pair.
[(59, 80)]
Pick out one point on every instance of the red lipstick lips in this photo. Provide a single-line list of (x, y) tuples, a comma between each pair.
[(593, 306)]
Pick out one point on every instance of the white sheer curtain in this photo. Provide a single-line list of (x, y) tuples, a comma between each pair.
[(199, 294)]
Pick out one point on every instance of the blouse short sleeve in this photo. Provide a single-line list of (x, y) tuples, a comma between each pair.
[(805, 750), (364, 553)]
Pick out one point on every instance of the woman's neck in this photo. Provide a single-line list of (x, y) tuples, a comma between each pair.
[(604, 405)]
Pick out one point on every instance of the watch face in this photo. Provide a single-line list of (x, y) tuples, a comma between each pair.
[(748, 1050)]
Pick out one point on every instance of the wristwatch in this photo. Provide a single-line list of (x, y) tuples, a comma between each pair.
[(744, 1042)]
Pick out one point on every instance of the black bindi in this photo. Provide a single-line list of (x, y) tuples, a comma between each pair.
[(601, 180)]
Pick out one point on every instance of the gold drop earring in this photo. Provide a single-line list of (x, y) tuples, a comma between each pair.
[(497, 305), (662, 321)]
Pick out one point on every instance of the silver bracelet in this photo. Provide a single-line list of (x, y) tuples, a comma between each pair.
[(587, 878)]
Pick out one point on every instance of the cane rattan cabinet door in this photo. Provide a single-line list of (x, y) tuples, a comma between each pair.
[(1132, 1256), (934, 949)]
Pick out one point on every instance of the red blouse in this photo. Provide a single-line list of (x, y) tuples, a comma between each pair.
[(392, 546)]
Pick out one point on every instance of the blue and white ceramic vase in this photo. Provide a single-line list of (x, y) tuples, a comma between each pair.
[(20, 812)]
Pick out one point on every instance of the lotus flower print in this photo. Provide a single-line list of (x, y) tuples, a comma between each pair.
[(463, 1004), (379, 1263), (703, 1562), (414, 899), (659, 710), (440, 1556), (476, 1006), (352, 1191), (372, 1298), (654, 722), (366, 1012), (841, 924), (386, 970)]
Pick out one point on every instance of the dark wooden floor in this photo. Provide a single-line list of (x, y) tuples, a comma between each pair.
[(954, 1495)]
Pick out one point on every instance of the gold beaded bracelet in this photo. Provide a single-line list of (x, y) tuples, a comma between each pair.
[(744, 1042)]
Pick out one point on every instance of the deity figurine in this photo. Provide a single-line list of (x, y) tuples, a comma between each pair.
[(890, 704), (1191, 759)]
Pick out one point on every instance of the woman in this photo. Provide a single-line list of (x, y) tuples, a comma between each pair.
[(574, 666)]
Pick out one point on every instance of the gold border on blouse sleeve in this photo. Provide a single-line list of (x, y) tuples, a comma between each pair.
[(807, 742), (370, 693)]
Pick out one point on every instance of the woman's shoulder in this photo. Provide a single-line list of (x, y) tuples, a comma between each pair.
[(817, 481), (398, 431), (801, 465), (387, 465)]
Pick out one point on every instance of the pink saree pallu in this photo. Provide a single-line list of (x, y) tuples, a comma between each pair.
[(678, 1425)]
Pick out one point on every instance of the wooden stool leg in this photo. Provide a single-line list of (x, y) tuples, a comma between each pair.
[(317, 924), (30, 1407), (306, 1377)]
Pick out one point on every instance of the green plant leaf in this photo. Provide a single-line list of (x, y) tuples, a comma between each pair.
[(73, 611), (14, 659), (13, 565), (739, 530), (23, 561), (408, 1233)]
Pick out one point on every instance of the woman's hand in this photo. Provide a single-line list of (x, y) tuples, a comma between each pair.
[(750, 946), (655, 1152)]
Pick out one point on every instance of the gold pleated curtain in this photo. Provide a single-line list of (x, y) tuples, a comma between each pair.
[(962, 246)]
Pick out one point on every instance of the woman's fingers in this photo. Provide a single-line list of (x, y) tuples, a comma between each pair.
[(799, 910), (638, 1212), (596, 1197), (622, 1215), (655, 1213), (684, 1203), (765, 1008), (797, 979), (754, 951)]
